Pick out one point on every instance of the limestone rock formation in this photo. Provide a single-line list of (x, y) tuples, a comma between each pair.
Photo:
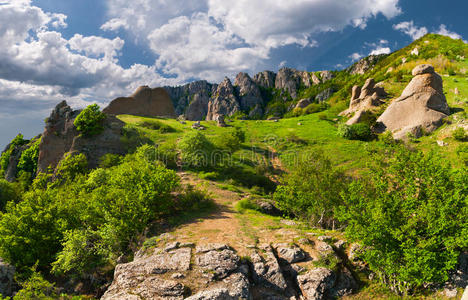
[(326, 75), (322, 283), (248, 91), (265, 79), (364, 100), (7, 273), (324, 95), (365, 64), (191, 100), (303, 103), (145, 101), (60, 136), (11, 170), (290, 80), (420, 108), (223, 101)]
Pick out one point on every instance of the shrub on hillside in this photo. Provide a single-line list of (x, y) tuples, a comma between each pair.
[(232, 140), (410, 213), (28, 160), (71, 166), (196, 150), (311, 191), (459, 134), (8, 192), (89, 121), (359, 131), (5, 157)]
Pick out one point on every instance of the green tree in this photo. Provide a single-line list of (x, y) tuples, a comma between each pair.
[(311, 191), (410, 213), (28, 160), (196, 150), (89, 121)]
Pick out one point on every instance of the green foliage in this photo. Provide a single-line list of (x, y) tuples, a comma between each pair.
[(28, 160), (110, 160), (311, 191), (71, 166), (156, 125), (5, 157), (8, 192), (315, 108), (459, 134), (232, 140), (89, 121), (410, 213), (37, 288), (196, 150), (246, 204), (359, 131)]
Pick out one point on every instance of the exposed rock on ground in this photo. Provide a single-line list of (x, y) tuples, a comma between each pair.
[(364, 100), (145, 101), (7, 273), (420, 108), (60, 136), (303, 103)]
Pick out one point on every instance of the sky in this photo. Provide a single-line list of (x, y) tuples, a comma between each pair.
[(92, 51)]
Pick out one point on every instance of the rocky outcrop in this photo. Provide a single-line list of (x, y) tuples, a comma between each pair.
[(248, 91), (326, 75), (365, 64), (191, 100), (217, 272), (303, 103), (324, 95), (7, 282), (223, 101), (11, 171), (60, 136), (364, 100), (421, 107), (290, 80), (145, 101), (265, 79)]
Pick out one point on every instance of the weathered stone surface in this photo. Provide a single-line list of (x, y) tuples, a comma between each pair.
[(322, 283), (290, 253), (11, 170), (423, 69), (303, 103), (217, 263), (213, 294), (420, 108), (265, 79), (289, 80), (7, 273), (267, 270), (192, 99), (145, 101), (326, 75), (60, 136), (210, 247), (249, 93), (220, 121), (223, 101), (365, 64), (324, 95)]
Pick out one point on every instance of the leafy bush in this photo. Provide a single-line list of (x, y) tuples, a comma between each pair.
[(5, 157), (196, 150), (359, 131), (232, 140), (89, 121), (156, 125), (8, 192), (459, 134), (28, 160), (311, 191), (71, 166), (36, 287), (410, 214), (110, 160), (315, 108)]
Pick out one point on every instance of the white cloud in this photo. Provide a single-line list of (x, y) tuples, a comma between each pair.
[(444, 31), (355, 56), (410, 29), (380, 50), (114, 25), (213, 38), (96, 46)]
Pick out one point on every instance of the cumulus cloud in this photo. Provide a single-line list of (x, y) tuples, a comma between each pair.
[(213, 38), (380, 50), (410, 29), (444, 31)]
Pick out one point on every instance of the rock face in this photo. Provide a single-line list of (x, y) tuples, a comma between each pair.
[(7, 273), (420, 108), (223, 102), (324, 95), (303, 103), (11, 170), (191, 100), (365, 64), (60, 136), (265, 79), (364, 100), (248, 91), (290, 80), (216, 272), (145, 101)]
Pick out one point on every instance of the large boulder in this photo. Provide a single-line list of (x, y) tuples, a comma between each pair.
[(7, 274), (265, 79), (145, 101), (303, 103), (60, 137), (223, 102), (322, 283), (421, 107)]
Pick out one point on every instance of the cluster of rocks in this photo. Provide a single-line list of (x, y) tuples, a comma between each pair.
[(364, 100), (421, 107), (365, 64), (198, 126), (60, 137), (216, 271), (201, 100)]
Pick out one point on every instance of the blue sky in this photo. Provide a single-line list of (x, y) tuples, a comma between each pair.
[(96, 50)]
